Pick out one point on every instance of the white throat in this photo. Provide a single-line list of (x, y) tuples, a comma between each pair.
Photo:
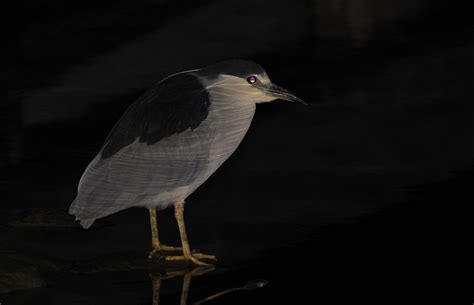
[(229, 88)]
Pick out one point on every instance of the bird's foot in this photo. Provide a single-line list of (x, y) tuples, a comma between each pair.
[(157, 250), (194, 257)]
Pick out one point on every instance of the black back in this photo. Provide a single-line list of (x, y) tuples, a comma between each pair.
[(170, 107)]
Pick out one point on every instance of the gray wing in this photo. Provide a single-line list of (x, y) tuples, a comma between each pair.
[(156, 148)]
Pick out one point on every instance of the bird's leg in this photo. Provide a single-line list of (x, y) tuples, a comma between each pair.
[(155, 240), (187, 254)]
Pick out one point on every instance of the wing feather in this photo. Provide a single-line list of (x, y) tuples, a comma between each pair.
[(145, 153), (170, 107)]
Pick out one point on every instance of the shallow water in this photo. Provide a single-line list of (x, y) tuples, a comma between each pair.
[(349, 199)]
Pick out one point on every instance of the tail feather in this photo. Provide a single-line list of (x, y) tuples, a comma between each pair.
[(98, 195), (86, 223), (94, 207)]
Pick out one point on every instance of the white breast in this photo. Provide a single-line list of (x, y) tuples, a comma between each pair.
[(229, 119)]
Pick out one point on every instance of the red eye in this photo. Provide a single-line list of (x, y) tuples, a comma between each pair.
[(252, 79)]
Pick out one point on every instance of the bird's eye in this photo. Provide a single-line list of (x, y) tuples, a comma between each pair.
[(252, 79)]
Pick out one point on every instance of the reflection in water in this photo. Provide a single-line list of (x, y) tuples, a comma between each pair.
[(157, 280), (249, 286)]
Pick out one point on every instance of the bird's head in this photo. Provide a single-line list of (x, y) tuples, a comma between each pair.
[(244, 80)]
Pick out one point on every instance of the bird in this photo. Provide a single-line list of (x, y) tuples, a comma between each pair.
[(170, 141)]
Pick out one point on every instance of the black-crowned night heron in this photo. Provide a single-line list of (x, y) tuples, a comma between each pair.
[(170, 141)]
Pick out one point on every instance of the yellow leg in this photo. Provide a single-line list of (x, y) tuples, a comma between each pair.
[(155, 241), (187, 254)]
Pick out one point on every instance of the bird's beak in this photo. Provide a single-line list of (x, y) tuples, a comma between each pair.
[(281, 93)]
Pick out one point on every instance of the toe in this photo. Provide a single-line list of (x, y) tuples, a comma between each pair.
[(205, 256), (198, 262), (170, 248), (192, 258)]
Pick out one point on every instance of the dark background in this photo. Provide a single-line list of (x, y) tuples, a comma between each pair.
[(360, 196)]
